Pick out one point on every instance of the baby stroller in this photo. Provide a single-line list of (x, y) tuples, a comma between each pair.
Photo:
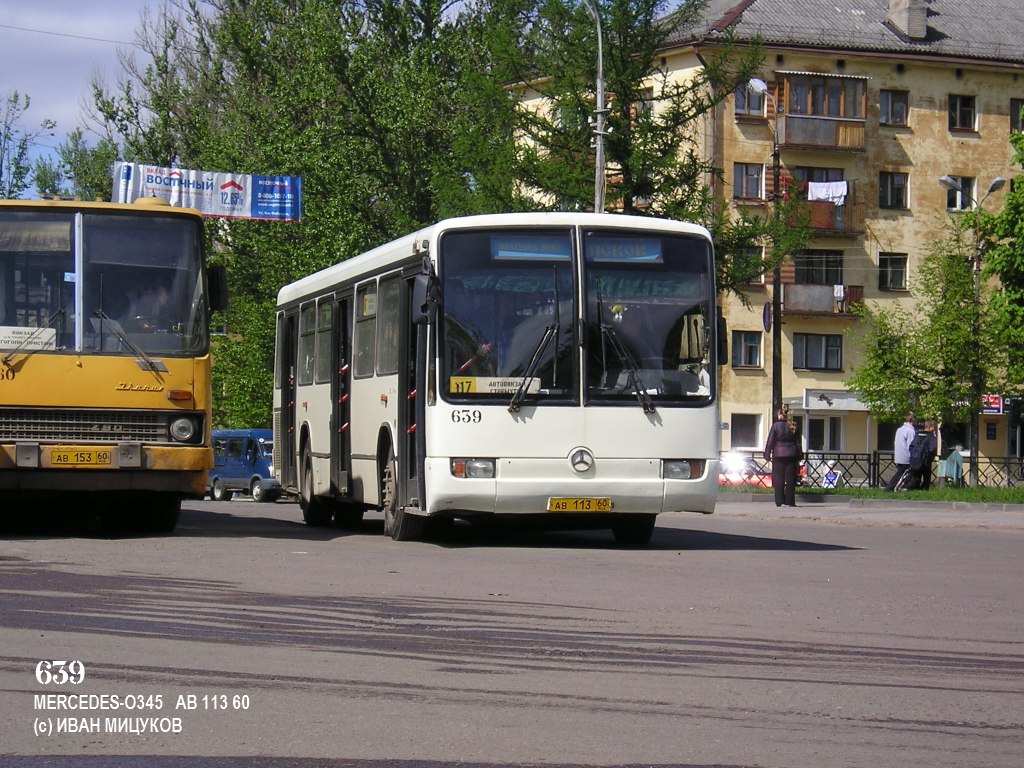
[(907, 481)]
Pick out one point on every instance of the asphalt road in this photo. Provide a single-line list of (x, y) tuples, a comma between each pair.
[(828, 635)]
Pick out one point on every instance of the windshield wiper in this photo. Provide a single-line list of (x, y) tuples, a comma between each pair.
[(146, 363), (550, 332), (47, 323), (625, 356), (634, 370)]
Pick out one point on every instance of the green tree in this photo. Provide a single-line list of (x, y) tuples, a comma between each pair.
[(928, 355), (15, 141), (381, 107), (80, 170), (655, 161), (1004, 260)]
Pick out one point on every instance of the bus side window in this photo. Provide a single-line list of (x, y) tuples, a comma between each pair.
[(388, 327), (307, 343), (366, 328)]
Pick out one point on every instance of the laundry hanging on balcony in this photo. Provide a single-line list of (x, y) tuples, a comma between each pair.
[(834, 192)]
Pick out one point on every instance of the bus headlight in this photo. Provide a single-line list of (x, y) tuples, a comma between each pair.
[(478, 468), (683, 469), (183, 430)]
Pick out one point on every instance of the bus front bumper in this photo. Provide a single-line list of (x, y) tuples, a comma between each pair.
[(542, 486), (105, 467)]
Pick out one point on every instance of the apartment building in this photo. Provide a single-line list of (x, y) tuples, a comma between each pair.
[(869, 103)]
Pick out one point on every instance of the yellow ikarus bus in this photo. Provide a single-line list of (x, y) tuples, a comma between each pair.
[(105, 356)]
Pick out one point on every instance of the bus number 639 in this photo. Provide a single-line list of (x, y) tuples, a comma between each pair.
[(466, 416)]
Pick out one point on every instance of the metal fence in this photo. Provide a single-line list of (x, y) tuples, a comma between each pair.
[(833, 469)]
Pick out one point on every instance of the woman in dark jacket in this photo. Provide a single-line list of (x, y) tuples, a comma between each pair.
[(784, 452)]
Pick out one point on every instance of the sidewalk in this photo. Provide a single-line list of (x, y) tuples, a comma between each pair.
[(845, 510)]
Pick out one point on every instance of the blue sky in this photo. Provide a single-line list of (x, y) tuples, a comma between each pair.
[(50, 49)]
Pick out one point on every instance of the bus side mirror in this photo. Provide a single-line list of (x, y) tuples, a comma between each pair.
[(722, 339), (217, 280), (424, 299)]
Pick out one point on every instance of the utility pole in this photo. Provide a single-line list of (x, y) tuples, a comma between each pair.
[(599, 121)]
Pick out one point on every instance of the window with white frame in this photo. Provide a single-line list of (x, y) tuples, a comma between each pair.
[(744, 429), (818, 351), (748, 180), (892, 271), (892, 190), (749, 102), (824, 434), (746, 349), (962, 112), (893, 107), (961, 199)]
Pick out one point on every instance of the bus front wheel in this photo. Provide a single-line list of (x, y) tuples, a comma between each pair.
[(398, 524), (634, 530)]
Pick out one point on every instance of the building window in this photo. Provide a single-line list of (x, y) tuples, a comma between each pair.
[(748, 180), (826, 96), (749, 102), (892, 271), (893, 106), (746, 349), (819, 267), (961, 113), (1016, 123), (809, 173), (892, 190), (961, 199), (818, 351), (825, 434), (744, 429)]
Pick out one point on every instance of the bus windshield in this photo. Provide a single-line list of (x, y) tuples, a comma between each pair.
[(512, 320), (101, 283)]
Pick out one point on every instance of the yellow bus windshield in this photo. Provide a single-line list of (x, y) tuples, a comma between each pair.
[(101, 283)]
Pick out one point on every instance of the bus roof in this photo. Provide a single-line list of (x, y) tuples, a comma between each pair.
[(392, 254), (147, 204)]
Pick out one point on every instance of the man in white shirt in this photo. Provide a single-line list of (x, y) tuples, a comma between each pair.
[(901, 449)]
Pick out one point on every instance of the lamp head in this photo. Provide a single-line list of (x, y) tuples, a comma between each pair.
[(997, 183), (757, 85), (950, 183)]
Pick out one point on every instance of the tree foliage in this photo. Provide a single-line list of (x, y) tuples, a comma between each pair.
[(15, 169), (397, 113), (929, 356), (1004, 261)]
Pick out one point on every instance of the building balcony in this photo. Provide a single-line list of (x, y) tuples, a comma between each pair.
[(827, 218), (820, 300), (819, 132)]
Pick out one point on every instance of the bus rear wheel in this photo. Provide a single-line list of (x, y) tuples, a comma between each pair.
[(634, 530), (398, 524), (315, 512)]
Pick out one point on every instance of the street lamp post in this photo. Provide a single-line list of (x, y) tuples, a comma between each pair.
[(599, 173), (977, 374), (759, 86)]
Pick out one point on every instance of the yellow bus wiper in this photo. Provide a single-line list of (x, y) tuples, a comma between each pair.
[(47, 323), (146, 363)]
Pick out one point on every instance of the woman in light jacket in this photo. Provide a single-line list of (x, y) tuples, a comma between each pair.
[(784, 452)]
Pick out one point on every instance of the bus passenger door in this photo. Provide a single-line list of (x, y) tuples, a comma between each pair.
[(341, 446), (412, 384), (284, 440)]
